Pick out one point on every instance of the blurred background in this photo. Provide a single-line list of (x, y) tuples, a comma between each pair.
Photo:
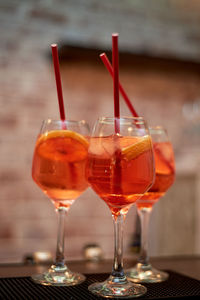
[(159, 43)]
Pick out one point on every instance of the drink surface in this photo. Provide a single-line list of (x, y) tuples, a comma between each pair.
[(165, 174), (120, 169), (59, 165)]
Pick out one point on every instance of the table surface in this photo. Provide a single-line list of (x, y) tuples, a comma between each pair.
[(187, 265)]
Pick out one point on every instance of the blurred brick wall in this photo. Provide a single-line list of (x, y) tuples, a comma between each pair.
[(28, 95)]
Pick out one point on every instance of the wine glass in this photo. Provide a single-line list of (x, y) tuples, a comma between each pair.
[(165, 175), (120, 169), (58, 168)]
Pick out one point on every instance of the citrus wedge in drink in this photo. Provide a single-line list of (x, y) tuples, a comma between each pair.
[(141, 145), (63, 145)]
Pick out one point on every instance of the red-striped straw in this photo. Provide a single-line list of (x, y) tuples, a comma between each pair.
[(115, 63), (109, 67), (58, 80)]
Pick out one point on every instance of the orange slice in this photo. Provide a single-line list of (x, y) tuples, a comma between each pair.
[(63, 145), (64, 133), (143, 144)]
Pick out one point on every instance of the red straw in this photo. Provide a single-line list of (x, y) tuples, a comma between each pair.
[(58, 80), (109, 67), (115, 62)]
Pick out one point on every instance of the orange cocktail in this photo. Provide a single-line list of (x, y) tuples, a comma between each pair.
[(58, 168), (165, 174), (59, 165), (120, 169)]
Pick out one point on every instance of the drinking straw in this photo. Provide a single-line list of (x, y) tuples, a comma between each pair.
[(115, 62), (117, 168), (109, 67), (58, 80)]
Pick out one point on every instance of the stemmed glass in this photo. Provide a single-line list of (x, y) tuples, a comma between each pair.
[(165, 174), (58, 168), (120, 169)]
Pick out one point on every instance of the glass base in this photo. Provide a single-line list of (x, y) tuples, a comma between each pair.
[(115, 288), (145, 273), (58, 277)]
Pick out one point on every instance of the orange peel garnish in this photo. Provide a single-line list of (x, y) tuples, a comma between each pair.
[(142, 145)]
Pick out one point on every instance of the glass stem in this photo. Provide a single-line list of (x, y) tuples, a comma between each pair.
[(60, 260), (144, 215), (117, 270)]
